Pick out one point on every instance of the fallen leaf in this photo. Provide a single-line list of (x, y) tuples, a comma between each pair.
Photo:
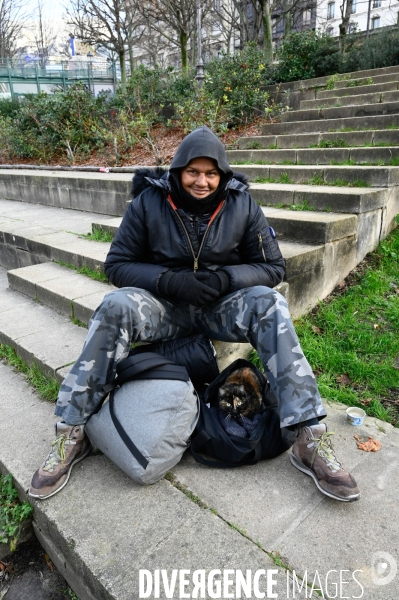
[(375, 325), (366, 401), (316, 329), (48, 561), (370, 445), (341, 285), (343, 379)]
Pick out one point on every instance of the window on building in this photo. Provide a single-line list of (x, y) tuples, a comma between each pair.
[(375, 22), (331, 10), (377, 4), (353, 9), (330, 31), (306, 17), (352, 28)]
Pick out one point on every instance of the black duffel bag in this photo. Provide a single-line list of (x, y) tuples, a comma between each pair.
[(225, 450)]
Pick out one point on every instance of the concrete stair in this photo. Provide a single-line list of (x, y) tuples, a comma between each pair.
[(307, 140), (327, 219)]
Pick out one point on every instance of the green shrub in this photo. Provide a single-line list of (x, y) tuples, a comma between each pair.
[(12, 512), (236, 81), (8, 107), (306, 55), (70, 122)]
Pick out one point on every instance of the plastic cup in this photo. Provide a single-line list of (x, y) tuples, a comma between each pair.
[(355, 415)]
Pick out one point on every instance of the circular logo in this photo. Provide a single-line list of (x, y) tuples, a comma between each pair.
[(383, 568)]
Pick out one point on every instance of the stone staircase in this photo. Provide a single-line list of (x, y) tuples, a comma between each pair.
[(330, 194)]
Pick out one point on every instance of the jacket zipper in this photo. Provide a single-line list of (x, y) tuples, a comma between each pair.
[(261, 246), (196, 258)]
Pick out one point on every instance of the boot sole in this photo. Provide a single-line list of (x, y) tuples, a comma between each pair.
[(299, 465), (75, 462)]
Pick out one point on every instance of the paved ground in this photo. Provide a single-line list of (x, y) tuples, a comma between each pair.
[(103, 529)]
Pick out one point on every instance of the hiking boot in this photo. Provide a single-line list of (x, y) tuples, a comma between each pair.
[(68, 448), (313, 454)]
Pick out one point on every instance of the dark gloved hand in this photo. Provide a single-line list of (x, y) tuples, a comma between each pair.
[(219, 281), (188, 287)]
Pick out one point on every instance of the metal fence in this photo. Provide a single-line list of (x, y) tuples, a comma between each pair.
[(19, 77)]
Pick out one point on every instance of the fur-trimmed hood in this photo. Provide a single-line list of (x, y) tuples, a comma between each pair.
[(159, 177)]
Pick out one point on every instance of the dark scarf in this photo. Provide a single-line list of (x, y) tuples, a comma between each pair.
[(191, 204)]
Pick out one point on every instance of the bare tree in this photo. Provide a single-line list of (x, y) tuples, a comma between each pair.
[(175, 21), (108, 24), (12, 21), (346, 11), (44, 32)]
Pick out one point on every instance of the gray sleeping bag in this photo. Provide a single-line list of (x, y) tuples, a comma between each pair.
[(155, 416)]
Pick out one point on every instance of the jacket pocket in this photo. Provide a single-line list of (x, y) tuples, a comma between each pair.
[(268, 245)]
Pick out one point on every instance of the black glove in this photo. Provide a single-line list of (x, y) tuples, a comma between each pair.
[(219, 281), (188, 287)]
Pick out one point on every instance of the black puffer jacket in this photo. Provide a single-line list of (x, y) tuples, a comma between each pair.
[(154, 237)]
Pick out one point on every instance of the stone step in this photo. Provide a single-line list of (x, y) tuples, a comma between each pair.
[(332, 124), (341, 176), (365, 80), (311, 227), (320, 82), (344, 112), (323, 198), (350, 100), (307, 226), (39, 334), (106, 193), (72, 294), (317, 156), (305, 140), (358, 90), (103, 528), (31, 234)]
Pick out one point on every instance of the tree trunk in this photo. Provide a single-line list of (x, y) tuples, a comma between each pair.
[(183, 49), (343, 27), (123, 66), (267, 31)]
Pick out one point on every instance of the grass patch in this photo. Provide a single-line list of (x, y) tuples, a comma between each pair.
[(184, 489), (99, 235), (47, 387), (284, 178), (254, 146), (357, 82), (351, 339), (346, 163), (319, 180), (85, 270), (303, 206), (330, 144), (13, 513)]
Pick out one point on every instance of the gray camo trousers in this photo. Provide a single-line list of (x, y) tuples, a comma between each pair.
[(258, 315)]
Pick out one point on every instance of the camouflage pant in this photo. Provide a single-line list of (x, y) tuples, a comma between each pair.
[(258, 315)]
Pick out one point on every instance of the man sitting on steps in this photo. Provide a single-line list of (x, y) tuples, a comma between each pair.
[(195, 254)]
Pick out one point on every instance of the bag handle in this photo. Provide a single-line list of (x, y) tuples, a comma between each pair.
[(149, 365), (128, 442)]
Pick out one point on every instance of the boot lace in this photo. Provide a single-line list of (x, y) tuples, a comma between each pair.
[(57, 454), (324, 448)]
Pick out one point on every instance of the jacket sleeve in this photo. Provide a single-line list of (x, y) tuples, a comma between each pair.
[(127, 263), (263, 263)]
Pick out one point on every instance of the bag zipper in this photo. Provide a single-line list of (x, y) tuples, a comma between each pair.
[(261, 246), (195, 257)]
